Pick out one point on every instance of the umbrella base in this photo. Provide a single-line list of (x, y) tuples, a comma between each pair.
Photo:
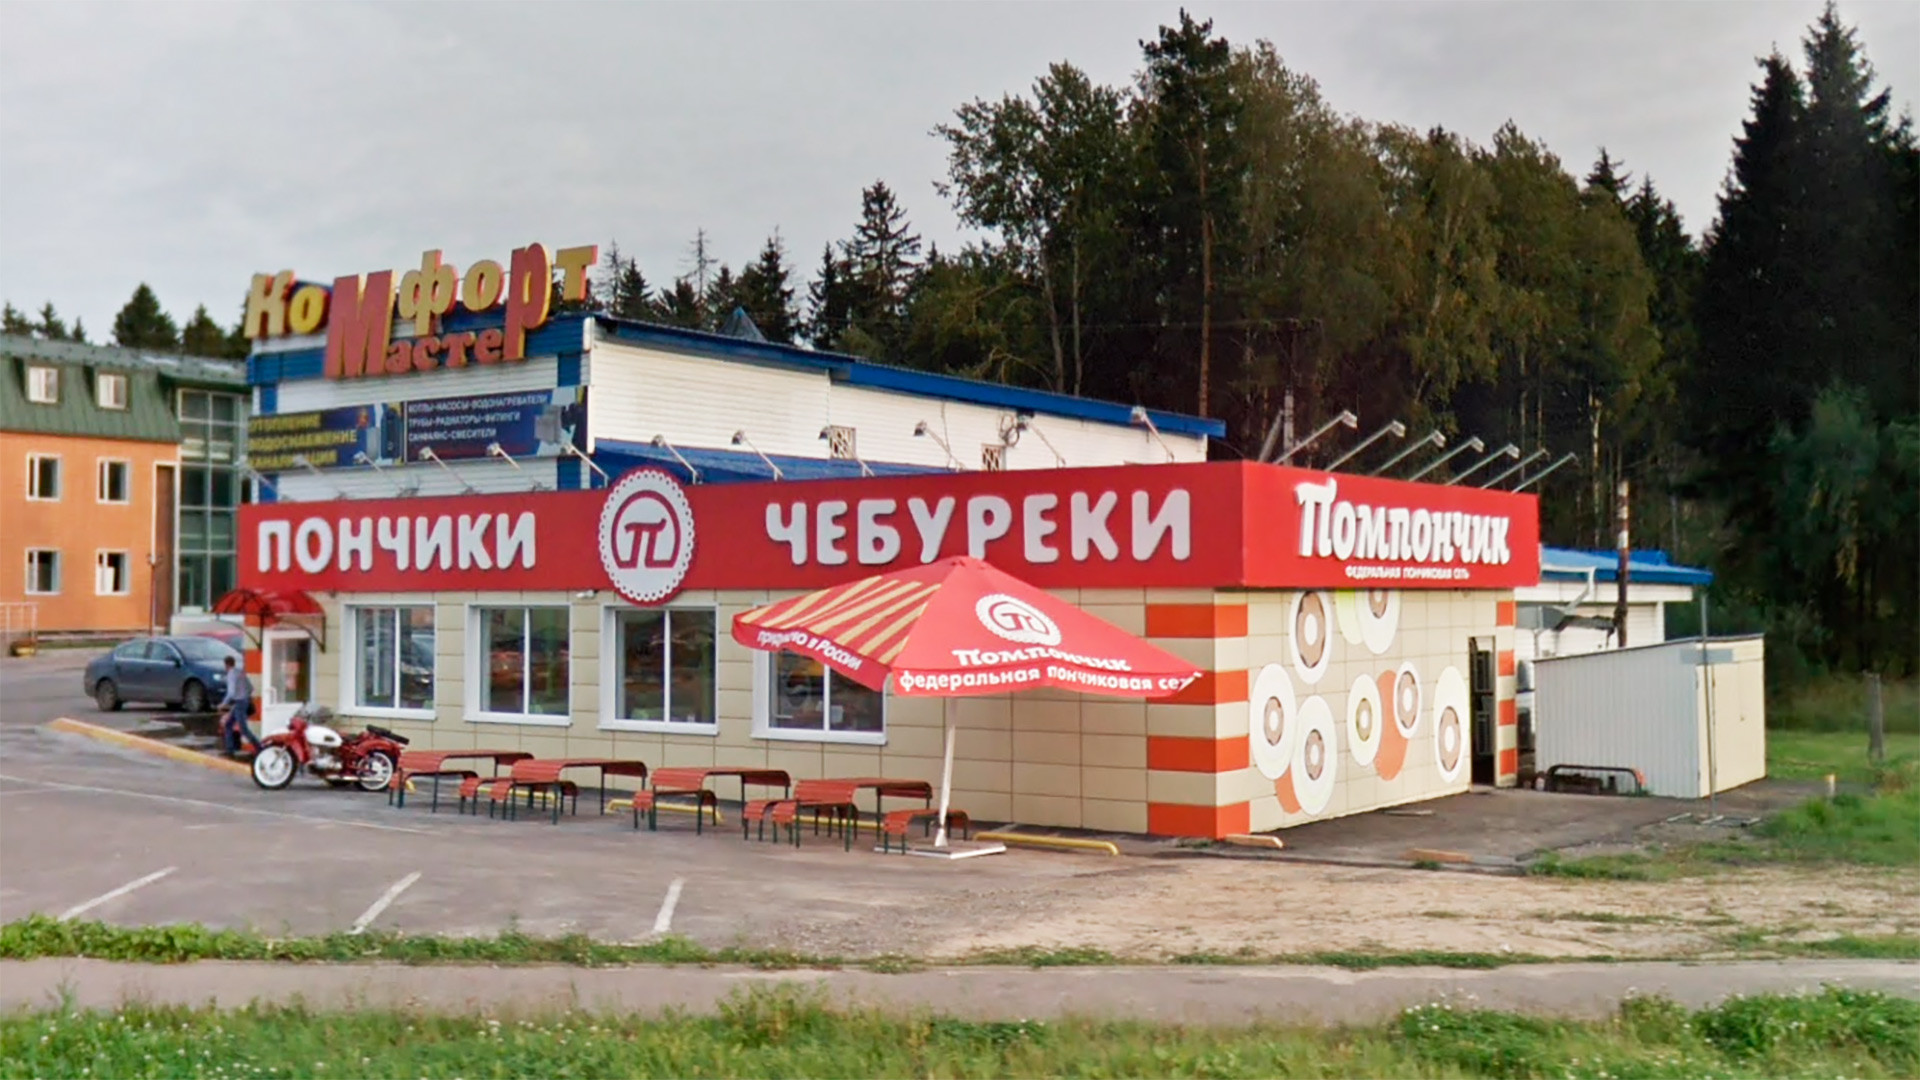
[(958, 849)]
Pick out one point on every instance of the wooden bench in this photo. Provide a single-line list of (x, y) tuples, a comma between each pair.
[(820, 796), (500, 793), (897, 822), (674, 783)]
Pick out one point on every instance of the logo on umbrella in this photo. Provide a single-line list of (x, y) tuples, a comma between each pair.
[(1016, 620), (646, 536)]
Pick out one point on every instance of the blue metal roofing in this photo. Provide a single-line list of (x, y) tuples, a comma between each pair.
[(736, 466), (1645, 567), (857, 372)]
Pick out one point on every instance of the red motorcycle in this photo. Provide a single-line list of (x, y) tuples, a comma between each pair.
[(366, 758)]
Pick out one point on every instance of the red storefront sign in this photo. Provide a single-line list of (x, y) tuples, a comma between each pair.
[(1226, 524)]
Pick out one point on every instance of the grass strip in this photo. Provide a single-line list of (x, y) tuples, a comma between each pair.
[(793, 1031)]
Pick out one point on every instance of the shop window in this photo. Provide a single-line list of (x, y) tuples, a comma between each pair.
[(110, 576), (393, 658), (808, 701), (115, 480), (43, 477), (43, 385), (43, 572), (110, 390), (660, 673), (523, 663)]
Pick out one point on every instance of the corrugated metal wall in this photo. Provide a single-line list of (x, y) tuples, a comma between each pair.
[(1632, 708), (1645, 708)]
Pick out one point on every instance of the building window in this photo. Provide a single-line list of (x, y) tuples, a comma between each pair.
[(43, 572), (660, 673), (523, 662), (43, 477), (211, 488), (809, 701), (110, 390), (110, 576), (393, 665), (115, 480), (43, 385)]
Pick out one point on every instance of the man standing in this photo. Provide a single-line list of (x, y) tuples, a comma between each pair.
[(236, 707)]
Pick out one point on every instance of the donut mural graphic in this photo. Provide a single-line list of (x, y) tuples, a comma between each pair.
[(1364, 720), (1450, 723), (1316, 761), (1272, 721), (1310, 625), (1379, 618), (1346, 612), (1400, 690)]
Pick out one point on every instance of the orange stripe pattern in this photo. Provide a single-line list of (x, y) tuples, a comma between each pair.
[(1196, 620), (1212, 688), (1172, 753), (1209, 822)]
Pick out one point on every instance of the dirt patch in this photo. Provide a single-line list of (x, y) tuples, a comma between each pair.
[(1277, 908)]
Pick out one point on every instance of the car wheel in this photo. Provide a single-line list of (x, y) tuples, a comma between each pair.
[(107, 696), (193, 698)]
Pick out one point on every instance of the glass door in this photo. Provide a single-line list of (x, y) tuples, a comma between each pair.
[(286, 678)]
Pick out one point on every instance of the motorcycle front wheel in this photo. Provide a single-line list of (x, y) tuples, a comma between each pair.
[(376, 771), (273, 767)]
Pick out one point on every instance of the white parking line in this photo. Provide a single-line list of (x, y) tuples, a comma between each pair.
[(393, 891), (210, 805), (82, 909), (664, 921)]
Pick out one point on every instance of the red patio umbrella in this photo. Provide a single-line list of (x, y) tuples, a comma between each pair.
[(957, 628)]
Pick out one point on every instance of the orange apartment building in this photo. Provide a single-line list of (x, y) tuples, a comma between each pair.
[(117, 485)]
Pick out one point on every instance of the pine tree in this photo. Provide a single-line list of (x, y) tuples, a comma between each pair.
[(202, 336), (79, 333), (880, 263), (51, 326), (722, 296), (627, 294), (684, 306), (766, 292), (829, 302), (1606, 176), (13, 322), (141, 324)]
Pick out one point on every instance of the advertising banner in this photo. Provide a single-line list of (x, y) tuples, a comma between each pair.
[(534, 423), (327, 438), (1217, 525)]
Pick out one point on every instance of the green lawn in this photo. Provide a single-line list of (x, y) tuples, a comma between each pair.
[(787, 1033)]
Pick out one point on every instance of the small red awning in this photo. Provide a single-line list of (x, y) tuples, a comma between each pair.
[(267, 605)]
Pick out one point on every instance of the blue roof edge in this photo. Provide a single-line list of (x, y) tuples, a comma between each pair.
[(858, 372), (1650, 566)]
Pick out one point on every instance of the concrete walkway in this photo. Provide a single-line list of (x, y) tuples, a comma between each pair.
[(1216, 995)]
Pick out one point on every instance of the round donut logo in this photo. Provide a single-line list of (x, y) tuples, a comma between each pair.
[(646, 536), (1016, 620)]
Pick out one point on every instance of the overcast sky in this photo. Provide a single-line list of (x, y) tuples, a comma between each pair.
[(190, 146)]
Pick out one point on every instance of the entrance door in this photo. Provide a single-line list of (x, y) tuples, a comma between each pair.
[(1481, 690), (160, 572), (286, 679)]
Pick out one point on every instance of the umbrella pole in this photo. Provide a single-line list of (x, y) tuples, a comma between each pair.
[(946, 774)]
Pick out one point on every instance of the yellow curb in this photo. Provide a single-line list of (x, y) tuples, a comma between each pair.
[(1259, 840), (1431, 855), (1067, 843), (148, 746), (621, 806)]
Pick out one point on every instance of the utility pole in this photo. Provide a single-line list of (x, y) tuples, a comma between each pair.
[(1620, 584), (1286, 418)]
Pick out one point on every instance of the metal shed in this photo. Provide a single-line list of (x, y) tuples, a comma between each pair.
[(1691, 719)]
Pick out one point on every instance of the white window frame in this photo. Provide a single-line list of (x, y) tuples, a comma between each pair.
[(105, 400), (57, 568), (350, 670), (43, 377), (477, 662), (100, 481), (763, 713), (33, 477), (100, 569), (610, 659)]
